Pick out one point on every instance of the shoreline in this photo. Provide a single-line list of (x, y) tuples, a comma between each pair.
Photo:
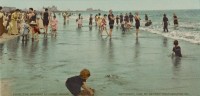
[(5, 37)]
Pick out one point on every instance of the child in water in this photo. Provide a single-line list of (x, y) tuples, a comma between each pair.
[(177, 49), (75, 83), (54, 25), (26, 30), (103, 24)]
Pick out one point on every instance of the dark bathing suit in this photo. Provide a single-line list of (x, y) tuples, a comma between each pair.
[(33, 18), (165, 20), (46, 19), (146, 18), (177, 51), (131, 18), (74, 85), (121, 18), (111, 21), (90, 22), (117, 20), (137, 23), (126, 18), (175, 21)]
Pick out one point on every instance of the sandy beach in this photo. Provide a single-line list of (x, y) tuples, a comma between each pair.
[(5, 37)]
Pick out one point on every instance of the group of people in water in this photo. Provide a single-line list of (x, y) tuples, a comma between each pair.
[(75, 84), (28, 24), (125, 21)]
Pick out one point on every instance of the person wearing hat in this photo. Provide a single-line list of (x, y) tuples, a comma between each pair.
[(111, 19), (14, 18)]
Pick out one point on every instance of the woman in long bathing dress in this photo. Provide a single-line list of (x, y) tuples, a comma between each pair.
[(14, 18)]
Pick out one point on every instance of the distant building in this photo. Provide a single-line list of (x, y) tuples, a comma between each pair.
[(53, 8), (8, 9), (91, 9)]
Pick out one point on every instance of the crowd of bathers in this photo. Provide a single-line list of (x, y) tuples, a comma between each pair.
[(27, 23)]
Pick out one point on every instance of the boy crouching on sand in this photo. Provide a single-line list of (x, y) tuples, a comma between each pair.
[(75, 83)]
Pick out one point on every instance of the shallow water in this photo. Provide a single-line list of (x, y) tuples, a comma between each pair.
[(121, 66)]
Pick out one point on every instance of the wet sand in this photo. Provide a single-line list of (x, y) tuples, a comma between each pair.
[(6, 37), (5, 89), (121, 66)]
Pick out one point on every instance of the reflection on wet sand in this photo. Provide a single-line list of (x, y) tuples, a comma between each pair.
[(90, 29), (110, 50), (1, 49), (137, 48), (176, 61), (165, 44), (5, 89)]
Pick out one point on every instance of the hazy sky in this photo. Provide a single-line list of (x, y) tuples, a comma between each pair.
[(106, 4)]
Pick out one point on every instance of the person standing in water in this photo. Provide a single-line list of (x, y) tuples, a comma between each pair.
[(137, 23), (46, 21), (176, 49), (14, 19), (121, 18), (126, 18), (79, 21), (64, 17), (90, 20), (175, 20), (54, 26), (111, 19), (96, 19), (99, 21), (146, 18), (117, 20), (165, 23), (103, 25), (131, 17)]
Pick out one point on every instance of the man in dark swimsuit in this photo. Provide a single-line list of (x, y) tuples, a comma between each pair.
[(90, 20), (46, 21), (121, 18), (117, 20), (111, 22), (165, 22), (131, 17), (126, 18), (146, 18)]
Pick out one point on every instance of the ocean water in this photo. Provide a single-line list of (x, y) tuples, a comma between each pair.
[(189, 23), (121, 66)]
